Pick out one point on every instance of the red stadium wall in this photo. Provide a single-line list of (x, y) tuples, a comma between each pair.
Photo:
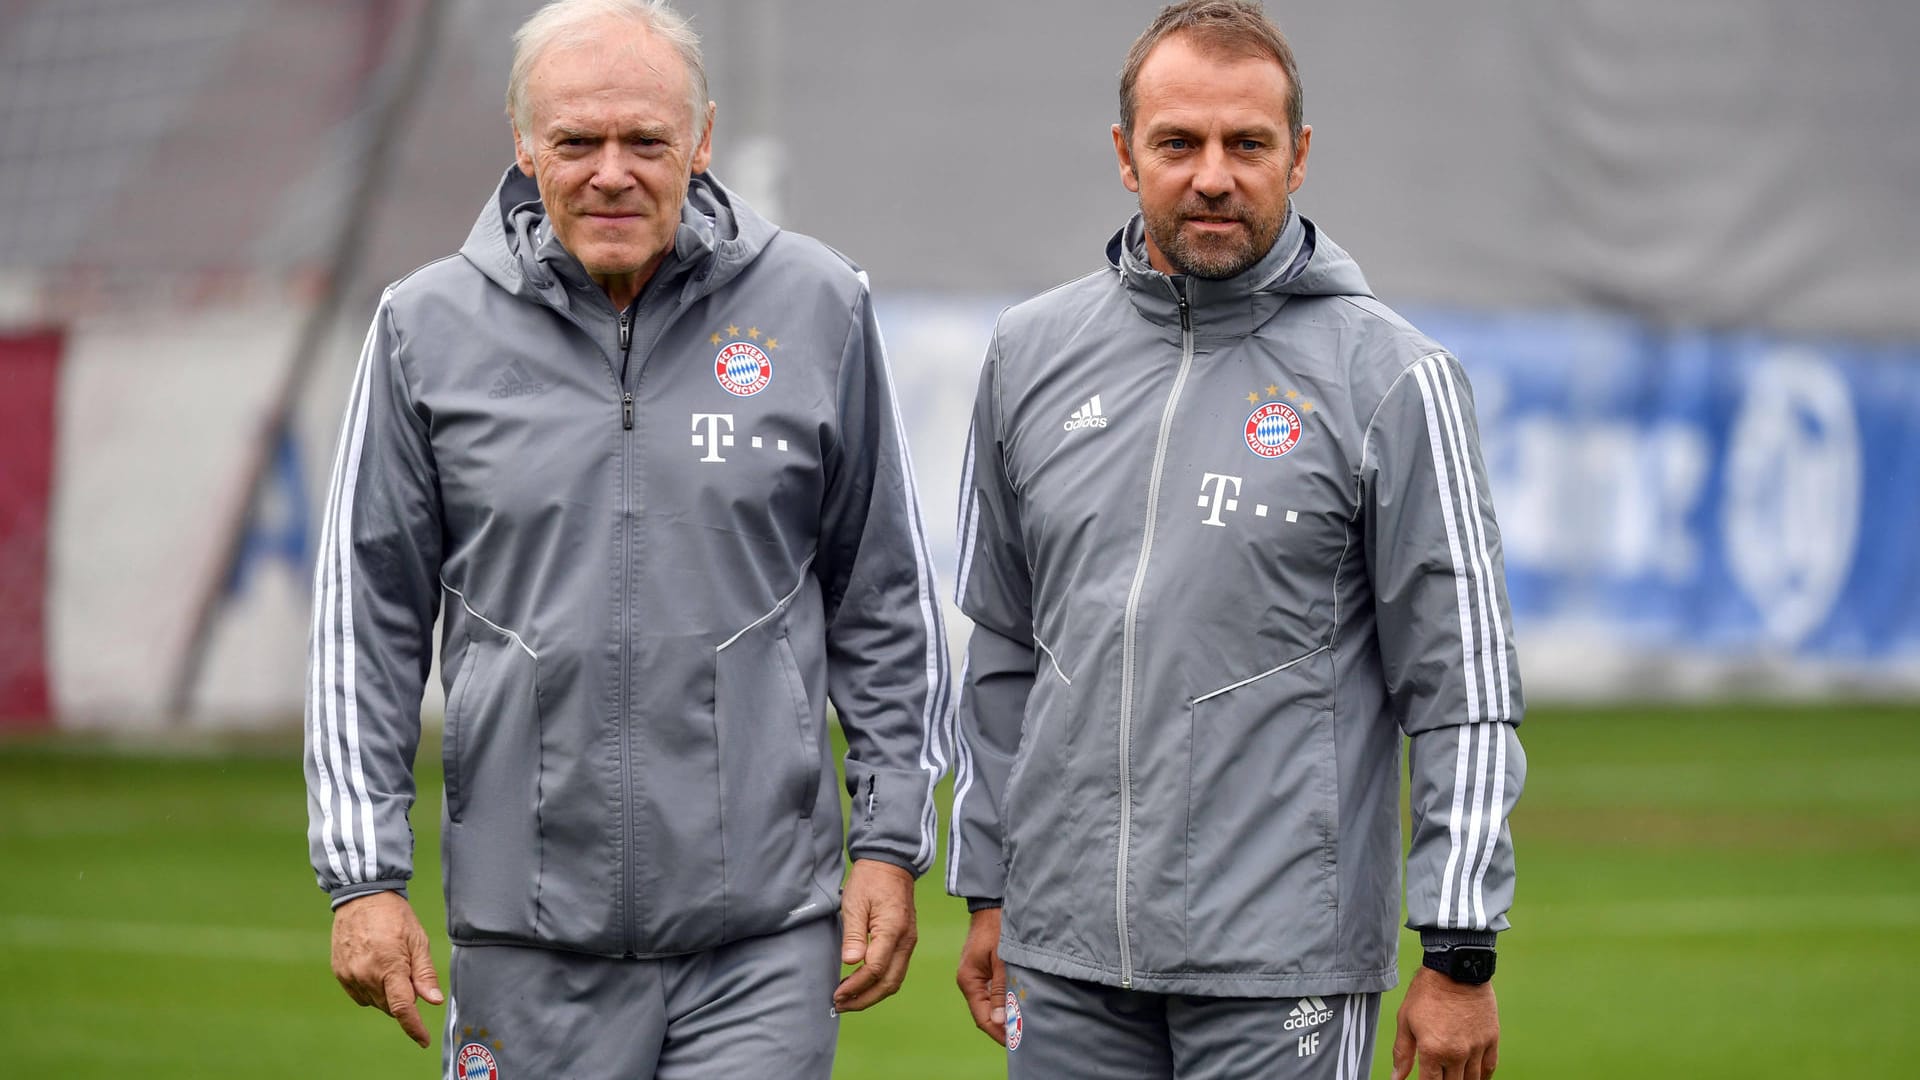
[(29, 385)]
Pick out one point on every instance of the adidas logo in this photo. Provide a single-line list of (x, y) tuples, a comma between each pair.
[(1087, 416), (515, 382), (1310, 1012)]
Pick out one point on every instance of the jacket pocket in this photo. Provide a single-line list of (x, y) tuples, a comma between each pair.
[(491, 751), (1052, 695), (1262, 812), (1058, 829), (767, 740)]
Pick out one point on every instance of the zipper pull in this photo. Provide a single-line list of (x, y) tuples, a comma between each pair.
[(1186, 322), (626, 334), (626, 411)]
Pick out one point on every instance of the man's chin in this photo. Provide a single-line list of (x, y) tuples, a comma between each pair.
[(1214, 262), (613, 263)]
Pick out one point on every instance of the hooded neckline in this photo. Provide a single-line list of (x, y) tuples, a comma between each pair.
[(514, 245), (1302, 262)]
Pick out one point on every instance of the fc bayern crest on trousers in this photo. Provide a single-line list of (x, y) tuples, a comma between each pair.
[(744, 367)]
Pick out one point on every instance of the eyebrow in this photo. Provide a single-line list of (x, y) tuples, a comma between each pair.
[(645, 131), (1179, 130)]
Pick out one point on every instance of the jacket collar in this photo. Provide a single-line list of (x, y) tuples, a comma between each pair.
[(513, 244), (1226, 308)]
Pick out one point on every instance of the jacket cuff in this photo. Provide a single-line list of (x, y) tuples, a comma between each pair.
[(857, 854), (355, 890), (1442, 940), (978, 904)]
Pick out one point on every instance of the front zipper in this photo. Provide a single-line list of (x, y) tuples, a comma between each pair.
[(1127, 633), (631, 929), (627, 320), (626, 396)]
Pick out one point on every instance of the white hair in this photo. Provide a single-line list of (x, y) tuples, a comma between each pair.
[(567, 23)]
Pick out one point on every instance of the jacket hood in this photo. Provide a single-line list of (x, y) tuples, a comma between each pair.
[(1302, 262), (514, 245)]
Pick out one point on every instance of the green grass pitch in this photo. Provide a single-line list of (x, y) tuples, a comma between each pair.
[(1713, 892)]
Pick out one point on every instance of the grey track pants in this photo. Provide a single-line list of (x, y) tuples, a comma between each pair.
[(762, 1007), (1066, 1029)]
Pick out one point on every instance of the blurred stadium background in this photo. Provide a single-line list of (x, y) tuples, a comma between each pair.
[(1673, 243)]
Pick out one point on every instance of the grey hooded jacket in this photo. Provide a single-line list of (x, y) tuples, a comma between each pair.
[(1225, 543), (662, 541)]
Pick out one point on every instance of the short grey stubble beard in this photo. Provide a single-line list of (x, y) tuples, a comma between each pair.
[(1221, 259)]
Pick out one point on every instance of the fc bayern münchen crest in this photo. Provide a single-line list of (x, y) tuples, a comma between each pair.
[(475, 1062), (743, 370), (1273, 429), (1016, 1023)]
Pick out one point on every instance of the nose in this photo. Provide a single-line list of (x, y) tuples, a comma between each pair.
[(610, 173), (1211, 177)]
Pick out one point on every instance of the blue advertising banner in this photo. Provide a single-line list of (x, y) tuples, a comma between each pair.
[(1715, 493)]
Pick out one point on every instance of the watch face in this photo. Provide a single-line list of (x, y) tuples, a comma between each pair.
[(1469, 964), (1475, 965)]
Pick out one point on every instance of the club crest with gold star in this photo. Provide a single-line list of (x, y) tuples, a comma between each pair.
[(1273, 428), (744, 365), (474, 1060)]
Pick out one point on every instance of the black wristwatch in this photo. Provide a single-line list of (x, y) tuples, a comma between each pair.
[(1470, 964)]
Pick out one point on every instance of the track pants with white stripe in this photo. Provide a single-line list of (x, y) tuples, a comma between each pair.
[(1066, 1029)]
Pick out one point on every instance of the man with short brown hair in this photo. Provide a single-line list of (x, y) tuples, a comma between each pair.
[(1228, 548)]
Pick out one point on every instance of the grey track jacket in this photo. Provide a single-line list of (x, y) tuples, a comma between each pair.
[(1225, 543), (662, 540)]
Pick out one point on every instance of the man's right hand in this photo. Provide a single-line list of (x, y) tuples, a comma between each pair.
[(983, 977), (380, 956)]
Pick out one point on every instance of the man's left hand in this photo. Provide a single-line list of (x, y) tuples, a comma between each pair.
[(1453, 1028), (876, 906)]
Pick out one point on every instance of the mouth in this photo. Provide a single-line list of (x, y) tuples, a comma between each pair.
[(1210, 223)]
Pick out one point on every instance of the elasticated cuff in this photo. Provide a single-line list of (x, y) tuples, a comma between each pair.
[(343, 893)]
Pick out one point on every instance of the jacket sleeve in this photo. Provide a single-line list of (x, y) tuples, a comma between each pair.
[(1446, 644), (887, 663), (995, 590), (375, 595)]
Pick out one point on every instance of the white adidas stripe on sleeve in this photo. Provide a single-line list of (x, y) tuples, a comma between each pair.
[(1476, 819)]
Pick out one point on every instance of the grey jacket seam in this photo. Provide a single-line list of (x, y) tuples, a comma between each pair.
[(503, 631), (412, 411), (778, 607), (1052, 660), (1303, 657), (1366, 437)]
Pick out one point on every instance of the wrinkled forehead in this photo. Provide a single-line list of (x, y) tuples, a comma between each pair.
[(617, 65)]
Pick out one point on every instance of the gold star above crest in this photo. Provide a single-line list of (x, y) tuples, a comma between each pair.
[(753, 332), (1273, 390), (1253, 398), (772, 344), (483, 1033), (733, 331), (715, 339), (496, 1044), (1306, 406), (1292, 394), (467, 1031)]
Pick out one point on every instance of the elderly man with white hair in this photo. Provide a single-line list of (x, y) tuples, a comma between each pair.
[(638, 448)]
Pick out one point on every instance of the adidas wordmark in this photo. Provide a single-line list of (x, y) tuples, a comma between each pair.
[(1087, 416), (1310, 1012)]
